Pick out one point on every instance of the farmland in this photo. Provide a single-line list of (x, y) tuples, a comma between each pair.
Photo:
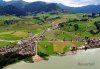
[(13, 28)]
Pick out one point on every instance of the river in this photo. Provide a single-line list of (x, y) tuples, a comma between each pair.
[(89, 59)]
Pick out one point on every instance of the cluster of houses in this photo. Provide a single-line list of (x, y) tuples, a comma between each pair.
[(94, 42), (24, 47)]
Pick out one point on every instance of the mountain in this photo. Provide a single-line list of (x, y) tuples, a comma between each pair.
[(17, 3), (1, 9), (84, 9), (2, 3), (89, 9), (14, 7), (20, 7), (11, 10), (41, 6)]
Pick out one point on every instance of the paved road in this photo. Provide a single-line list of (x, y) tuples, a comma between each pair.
[(89, 59)]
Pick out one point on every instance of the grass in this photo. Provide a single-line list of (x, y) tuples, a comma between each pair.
[(5, 43), (27, 24), (50, 35), (9, 17), (46, 48), (16, 33), (20, 34), (59, 46), (66, 49), (70, 44), (64, 35), (51, 48), (9, 37)]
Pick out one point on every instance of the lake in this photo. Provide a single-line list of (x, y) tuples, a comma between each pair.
[(89, 59)]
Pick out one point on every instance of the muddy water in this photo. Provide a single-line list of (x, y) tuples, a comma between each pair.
[(89, 59)]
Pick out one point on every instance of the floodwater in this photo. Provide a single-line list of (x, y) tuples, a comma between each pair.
[(89, 59)]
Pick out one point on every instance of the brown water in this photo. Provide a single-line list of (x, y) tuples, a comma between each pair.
[(83, 60)]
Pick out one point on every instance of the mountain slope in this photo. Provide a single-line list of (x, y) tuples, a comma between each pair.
[(19, 4), (22, 7), (84, 9), (41, 6), (11, 10), (2, 3)]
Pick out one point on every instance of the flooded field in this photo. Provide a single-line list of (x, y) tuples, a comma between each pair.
[(89, 59)]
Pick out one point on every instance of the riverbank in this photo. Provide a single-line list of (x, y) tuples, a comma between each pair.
[(82, 60)]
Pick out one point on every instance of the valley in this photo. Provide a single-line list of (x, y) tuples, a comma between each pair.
[(17, 28), (52, 34), (63, 31)]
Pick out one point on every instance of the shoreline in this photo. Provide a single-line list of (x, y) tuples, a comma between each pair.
[(82, 59)]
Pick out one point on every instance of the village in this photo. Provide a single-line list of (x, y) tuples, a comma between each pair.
[(28, 47)]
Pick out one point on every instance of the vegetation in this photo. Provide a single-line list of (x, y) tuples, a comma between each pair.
[(71, 27), (20, 20), (11, 58), (22, 8)]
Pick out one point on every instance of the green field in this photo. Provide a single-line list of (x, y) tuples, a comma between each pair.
[(51, 48), (14, 28), (71, 31)]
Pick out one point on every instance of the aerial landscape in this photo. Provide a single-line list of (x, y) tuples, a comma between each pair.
[(40, 34)]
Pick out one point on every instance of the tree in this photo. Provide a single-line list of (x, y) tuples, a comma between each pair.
[(92, 32), (76, 27), (97, 24), (93, 15), (61, 24)]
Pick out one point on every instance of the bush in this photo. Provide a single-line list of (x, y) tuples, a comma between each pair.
[(76, 27), (10, 58)]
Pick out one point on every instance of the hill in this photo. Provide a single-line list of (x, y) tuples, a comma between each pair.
[(41, 6), (20, 8), (11, 10), (2, 3), (19, 3), (84, 9)]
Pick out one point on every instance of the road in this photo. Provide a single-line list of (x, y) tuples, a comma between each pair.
[(22, 47)]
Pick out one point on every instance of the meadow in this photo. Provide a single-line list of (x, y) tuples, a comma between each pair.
[(71, 31), (13, 28)]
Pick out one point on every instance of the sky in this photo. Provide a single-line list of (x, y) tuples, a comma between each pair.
[(71, 3)]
